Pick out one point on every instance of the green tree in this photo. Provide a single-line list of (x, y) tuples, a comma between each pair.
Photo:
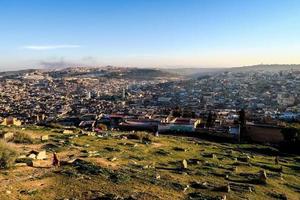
[(291, 134)]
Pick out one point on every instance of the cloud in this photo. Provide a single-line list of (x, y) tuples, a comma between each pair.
[(50, 47)]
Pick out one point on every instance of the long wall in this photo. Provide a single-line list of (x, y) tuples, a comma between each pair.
[(264, 134)]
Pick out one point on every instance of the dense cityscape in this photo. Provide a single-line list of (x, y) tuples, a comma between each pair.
[(73, 92), (79, 113)]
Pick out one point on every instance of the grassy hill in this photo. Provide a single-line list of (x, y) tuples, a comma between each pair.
[(122, 165)]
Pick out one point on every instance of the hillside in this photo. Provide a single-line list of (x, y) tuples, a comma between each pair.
[(124, 165)]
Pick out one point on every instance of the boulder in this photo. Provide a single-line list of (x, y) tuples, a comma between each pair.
[(244, 159), (21, 156), (20, 164), (32, 156), (39, 163)]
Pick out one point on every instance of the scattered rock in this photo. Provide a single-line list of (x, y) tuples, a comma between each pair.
[(113, 159), (225, 188), (178, 186), (44, 138), (200, 196), (199, 185), (29, 192), (67, 131), (111, 149), (145, 166), (213, 156), (186, 187), (278, 196), (119, 177), (194, 161), (20, 161), (179, 149), (162, 152), (21, 157), (244, 159)]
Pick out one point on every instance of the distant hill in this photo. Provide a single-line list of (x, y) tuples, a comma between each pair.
[(195, 72), (192, 71), (272, 67), (14, 74)]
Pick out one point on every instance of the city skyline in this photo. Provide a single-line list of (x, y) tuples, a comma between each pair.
[(148, 34)]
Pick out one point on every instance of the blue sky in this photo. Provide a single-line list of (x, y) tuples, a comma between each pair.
[(149, 33)]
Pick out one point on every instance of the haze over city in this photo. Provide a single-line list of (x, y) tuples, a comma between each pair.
[(169, 33)]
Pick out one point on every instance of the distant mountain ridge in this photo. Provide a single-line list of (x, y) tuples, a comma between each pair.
[(168, 71), (206, 71), (271, 67)]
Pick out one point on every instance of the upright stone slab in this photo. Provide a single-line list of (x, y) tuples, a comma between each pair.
[(263, 176), (44, 138), (184, 164), (42, 155)]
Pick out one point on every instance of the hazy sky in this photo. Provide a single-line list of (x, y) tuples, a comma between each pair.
[(158, 33)]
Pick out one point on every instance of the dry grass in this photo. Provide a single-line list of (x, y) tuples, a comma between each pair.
[(22, 138), (8, 155)]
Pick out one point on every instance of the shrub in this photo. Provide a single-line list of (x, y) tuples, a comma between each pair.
[(8, 155), (145, 137), (21, 137)]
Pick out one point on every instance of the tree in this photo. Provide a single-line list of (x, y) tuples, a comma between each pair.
[(242, 122), (242, 118), (290, 134), (176, 112), (209, 121)]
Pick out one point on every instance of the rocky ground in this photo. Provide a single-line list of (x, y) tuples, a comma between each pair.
[(117, 165)]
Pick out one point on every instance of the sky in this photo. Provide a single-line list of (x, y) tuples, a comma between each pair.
[(148, 33)]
